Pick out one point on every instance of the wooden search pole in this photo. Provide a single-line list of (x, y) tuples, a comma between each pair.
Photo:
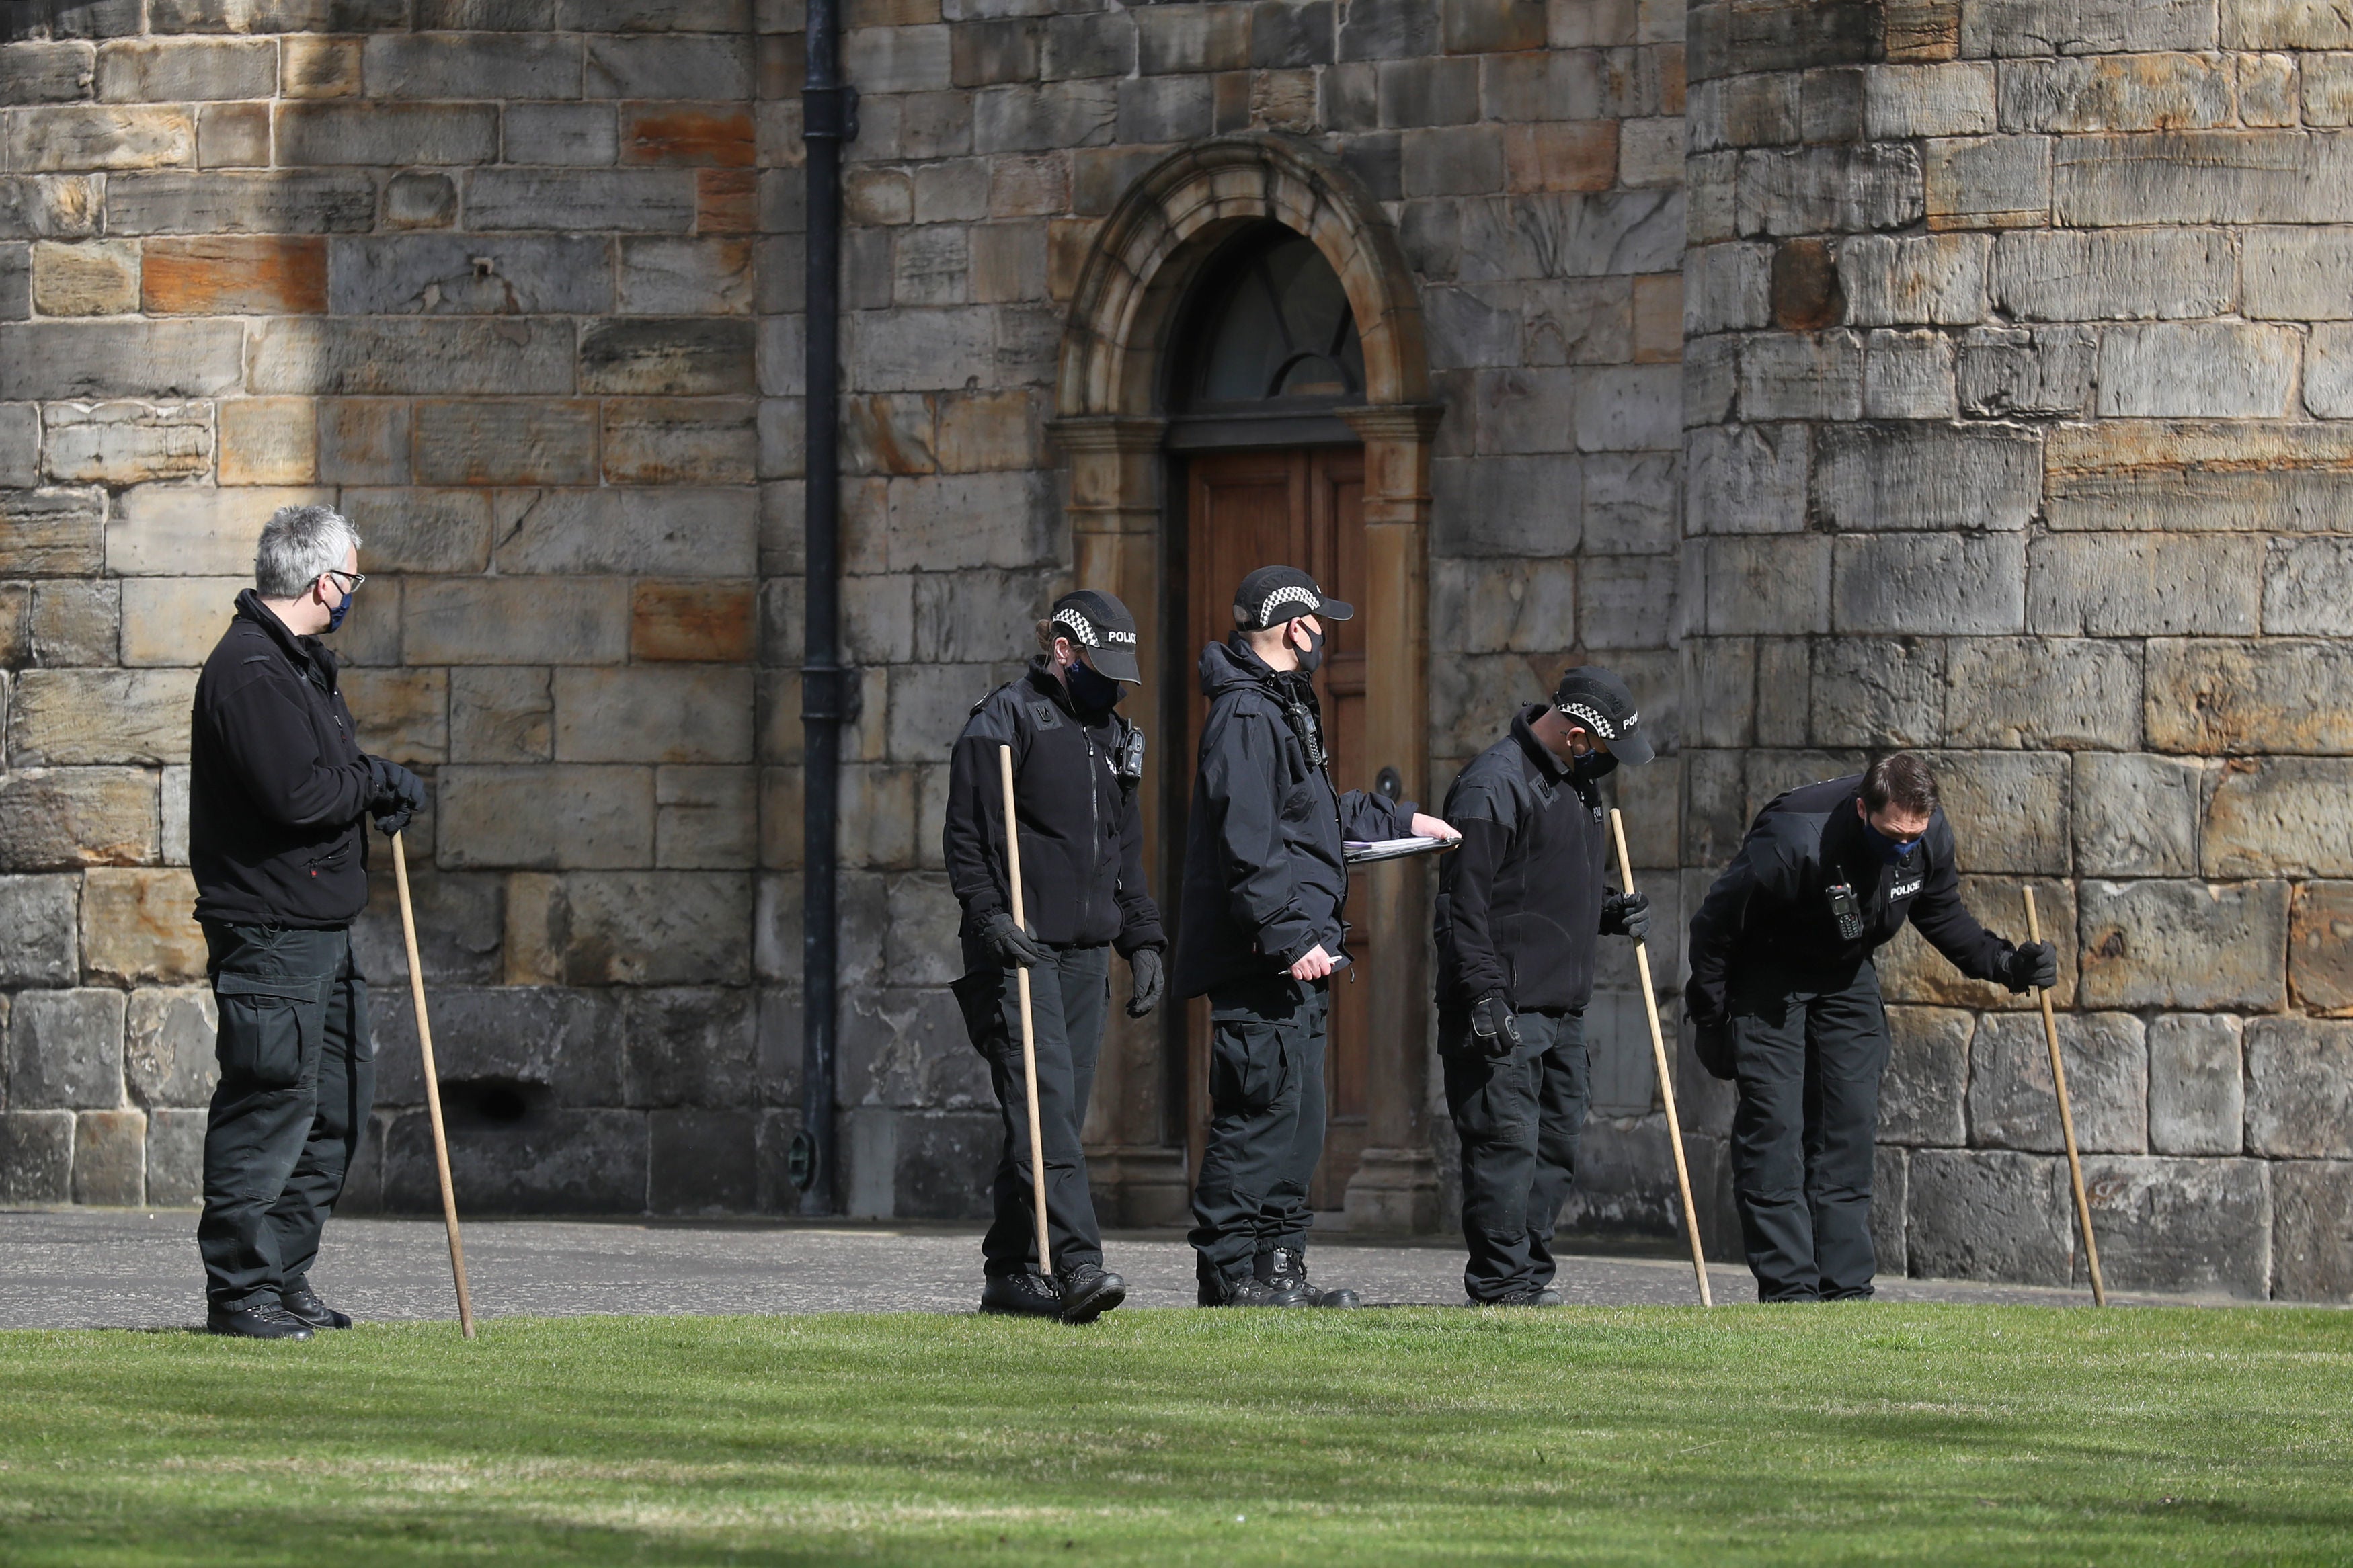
[(2066, 1117), (432, 1090), (1666, 1083), (1028, 1036)]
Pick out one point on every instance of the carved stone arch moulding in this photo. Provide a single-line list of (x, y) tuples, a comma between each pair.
[(1109, 426)]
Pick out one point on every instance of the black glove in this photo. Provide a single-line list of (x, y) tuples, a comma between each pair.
[(1144, 968), (1008, 946), (1626, 914), (1492, 1027), (2033, 963), (398, 795)]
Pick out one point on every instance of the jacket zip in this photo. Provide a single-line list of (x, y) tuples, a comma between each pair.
[(1095, 829)]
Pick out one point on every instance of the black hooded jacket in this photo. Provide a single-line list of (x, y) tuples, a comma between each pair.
[(1082, 833), (1772, 903), (1519, 901), (278, 787), (1264, 880)]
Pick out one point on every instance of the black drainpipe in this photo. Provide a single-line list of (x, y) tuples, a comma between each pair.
[(828, 691)]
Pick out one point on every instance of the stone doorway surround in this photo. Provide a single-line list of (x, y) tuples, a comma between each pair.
[(1108, 427)]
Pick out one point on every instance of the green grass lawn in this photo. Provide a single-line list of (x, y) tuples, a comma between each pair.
[(1747, 1435)]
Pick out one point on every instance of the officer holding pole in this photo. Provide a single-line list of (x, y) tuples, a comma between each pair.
[(1784, 1000), (1521, 904), (1076, 764)]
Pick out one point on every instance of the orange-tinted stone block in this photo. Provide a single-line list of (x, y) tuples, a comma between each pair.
[(695, 621), (235, 275), (726, 201), (1570, 155), (675, 133)]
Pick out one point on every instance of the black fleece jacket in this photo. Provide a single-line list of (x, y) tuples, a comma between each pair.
[(1519, 901), (1264, 880), (1772, 903), (1082, 833), (278, 787)]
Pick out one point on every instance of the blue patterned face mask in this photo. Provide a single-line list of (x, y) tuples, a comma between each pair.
[(1890, 849), (1091, 692), (344, 607)]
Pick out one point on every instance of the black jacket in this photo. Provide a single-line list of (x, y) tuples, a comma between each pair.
[(1772, 903), (278, 787), (1263, 877), (1519, 900), (1082, 833)]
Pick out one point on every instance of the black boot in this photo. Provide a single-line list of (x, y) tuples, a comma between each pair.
[(1245, 1289), (1285, 1267), (302, 1304), (1545, 1297), (256, 1321), (1022, 1295), (1088, 1292)]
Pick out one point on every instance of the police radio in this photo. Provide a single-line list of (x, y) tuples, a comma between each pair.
[(1849, 913), (1307, 732)]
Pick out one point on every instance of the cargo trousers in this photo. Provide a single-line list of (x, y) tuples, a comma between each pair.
[(1266, 1121), (1517, 1120)]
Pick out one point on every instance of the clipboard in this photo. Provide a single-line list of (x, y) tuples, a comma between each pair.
[(1360, 852)]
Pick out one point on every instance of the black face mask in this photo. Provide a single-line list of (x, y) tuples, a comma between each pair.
[(1312, 659), (1594, 765), (1091, 692)]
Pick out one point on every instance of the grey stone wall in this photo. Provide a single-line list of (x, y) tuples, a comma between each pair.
[(2015, 436)]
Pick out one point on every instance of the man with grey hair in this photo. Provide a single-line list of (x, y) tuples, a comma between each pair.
[(278, 791)]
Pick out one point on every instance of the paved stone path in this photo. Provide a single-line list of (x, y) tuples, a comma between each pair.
[(137, 1268)]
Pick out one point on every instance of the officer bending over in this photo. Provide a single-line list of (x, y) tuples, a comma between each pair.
[(1261, 933), (278, 792), (1784, 999), (1520, 905), (1076, 764)]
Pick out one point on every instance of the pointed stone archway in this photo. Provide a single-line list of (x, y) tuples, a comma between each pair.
[(1110, 424)]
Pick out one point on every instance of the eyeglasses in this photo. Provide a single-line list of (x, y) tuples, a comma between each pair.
[(356, 578)]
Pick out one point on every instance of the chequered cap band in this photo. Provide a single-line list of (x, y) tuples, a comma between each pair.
[(1080, 626), (1593, 718), (1292, 594)]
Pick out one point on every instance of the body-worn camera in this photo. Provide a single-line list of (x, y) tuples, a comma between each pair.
[(1131, 758), (1849, 912)]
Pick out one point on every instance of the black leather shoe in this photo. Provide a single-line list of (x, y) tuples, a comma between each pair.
[(1022, 1295), (302, 1305), (1243, 1290), (1286, 1267), (1088, 1292), (267, 1320), (1547, 1297)]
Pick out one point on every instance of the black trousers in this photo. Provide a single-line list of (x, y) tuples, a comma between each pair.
[(1066, 1004), (1517, 1118), (1808, 1053), (297, 1082), (1266, 1121)]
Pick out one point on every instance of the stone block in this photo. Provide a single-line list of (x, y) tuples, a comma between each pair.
[(623, 201), (970, 617), (69, 717), (1931, 279), (175, 1158), (2137, 816), (1912, 971), (2140, 92), (1953, 98), (705, 818), (174, 71), (85, 278), (1986, 182), (110, 1158), (2279, 694), (1836, 189), (2306, 586), (229, 275), (509, 620), (1909, 375), (36, 1156), (1810, 376), (502, 716), (174, 622), (281, 202), (2143, 585), (1929, 584), (168, 1044), (2181, 1225), (47, 208), (471, 65), (653, 714), (1624, 408), (2297, 273), (126, 443), (2197, 177), (65, 1050), (685, 277), (138, 925), (2132, 274), (1878, 692), (2312, 1230), (2063, 693), (460, 923), (675, 531), (2008, 808), (1726, 287), (1989, 1214), (76, 136), (506, 442), (705, 621), (268, 441), (678, 356), (2184, 944), (562, 1044), (1632, 503), (38, 923), (401, 713), (2299, 1087), (2013, 1106), (2212, 369), (1767, 585), (546, 1161), (375, 135), (105, 359), (45, 72), (2320, 947), (2328, 371), (1528, 607), (51, 532), (2197, 1099), (1930, 476), (1927, 1077), (20, 445), (542, 817), (470, 275), (2025, 27), (632, 928), (61, 818), (233, 135), (361, 356), (311, 67), (704, 1161), (689, 1047), (2005, 371), (1748, 479), (184, 530), (2279, 817)]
